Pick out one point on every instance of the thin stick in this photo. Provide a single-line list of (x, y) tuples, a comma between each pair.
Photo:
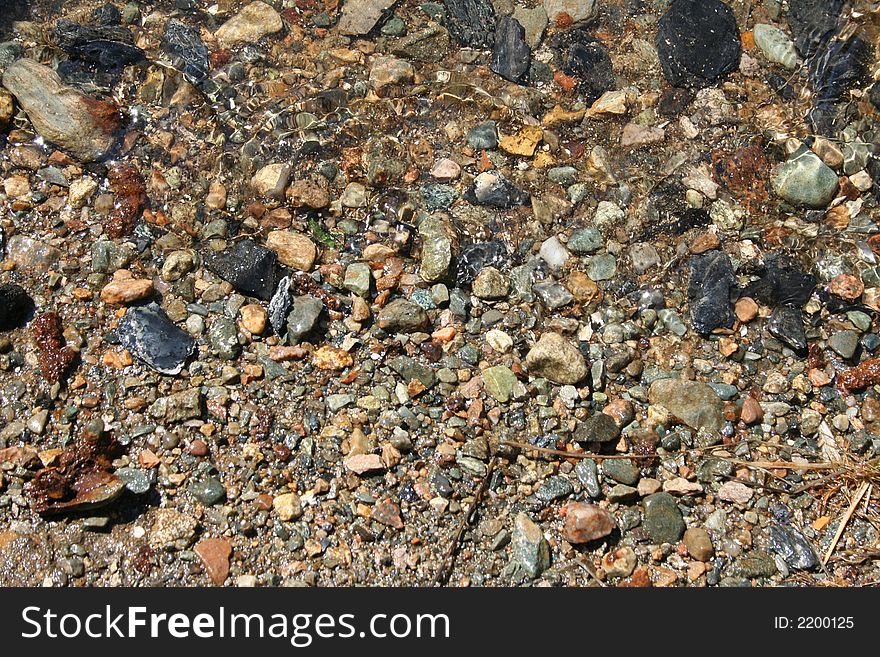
[(591, 570), (843, 521), (449, 558), (788, 465), (573, 455)]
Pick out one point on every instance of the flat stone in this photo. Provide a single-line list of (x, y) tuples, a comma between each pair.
[(360, 16), (152, 338), (695, 404), (361, 464), (499, 382), (511, 56), (85, 127), (288, 506), (403, 316), (491, 284), (598, 428), (493, 189), (776, 45), (439, 246), (710, 288), (577, 10), (249, 25), (699, 544), (250, 267), (214, 554), (734, 491), (529, 547), (663, 520)]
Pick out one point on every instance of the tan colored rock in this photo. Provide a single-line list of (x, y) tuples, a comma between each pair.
[(254, 318), (746, 309), (308, 194), (586, 522), (364, 463), (251, 24), (389, 71), (555, 358), (288, 506), (125, 289), (523, 143), (81, 191), (293, 249), (332, 358), (85, 127), (216, 198), (270, 181), (635, 135)]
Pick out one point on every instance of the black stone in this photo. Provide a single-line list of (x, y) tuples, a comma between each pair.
[(153, 339), (251, 268), (782, 282), (106, 15), (498, 193), (471, 22), (16, 306), (711, 289), (833, 70), (511, 56), (189, 54), (793, 547), (813, 22), (874, 95), (473, 258), (674, 101), (279, 306), (787, 325), (698, 43), (111, 46), (588, 61)]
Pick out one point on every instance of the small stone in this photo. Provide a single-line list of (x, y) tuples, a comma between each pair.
[(555, 358), (529, 547), (493, 189), (387, 513), (30, 255), (390, 71), (223, 338), (288, 506), (328, 357), (797, 552), (302, 318), (214, 554), (357, 279), (125, 289), (711, 284), (554, 253), (500, 382), (483, 137), (208, 491), (511, 56), (695, 404), (643, 257), (752, 413), (734, 491), (663, 519), (587, 522), (844, 343), (271, 180), (746, 309), (490, 284), (248, 266), (151, 337), (620, 562), (403, 316), (361, 464), (360, 16), (445, 170), (354, 196), (699, 544), (602, 267), (15, 306), (249, 25), (81, 191), (623, 471), (171, 528), (307, 193), (804, 180), (776, 45), (586, 240), (254, 318), (598, 428)]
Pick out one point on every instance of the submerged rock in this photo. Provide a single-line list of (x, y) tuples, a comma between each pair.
[(710, 290), (698, 42), (86, 127), (189, 54), (153, 339), (110, 46), (249, 25), (493, 189), (805, 180), (250, 267), (471, 22), (787, 324)]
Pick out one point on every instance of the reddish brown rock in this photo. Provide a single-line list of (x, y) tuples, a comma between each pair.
[(215, 553), (387, 513), (131, 199), (55, 359), (587, 522)]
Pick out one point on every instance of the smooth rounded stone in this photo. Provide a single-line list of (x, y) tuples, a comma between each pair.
[(698, 42), (754, 565), (586, 522), (409, 369), (483, 137), (493, 189), (588, 474), (208, 491), (394, 27), (390, 71), (223, 338), (584, 241), (254, 318), (805, 180), (856, 156), (249, 25), (511, 55), (302, 318), (85, 127), (699, 544), (293, 249), (602, 267), (16, 306), (529, 547), (577, 10), (555, 358), (357, 278), (403, 316), (271, 180), (793, 547), (725, 391), (124, 289), (598, 428), (844, 343), (490, 284), (439, 245), (776, 45), (663, 520), (288, 506), (554, 253), (693, 403), (552, 294), (499, 341), (554, 488), (500, 382), (151, 337), (643, 257), (623, 471)]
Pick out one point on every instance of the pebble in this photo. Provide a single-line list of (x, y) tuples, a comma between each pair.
[(797, 552), (125, 289), (288, 506), (734, 491), (844, 343), (620, 562), (804, 180), (390, 71), (152, 338), (214, 554), (598, 428), (251, 24), (699, 544), (512, 55), (623, 471), (254, 318), (710, 287), (293, 249), (500, 382), (529, 547), (493, 189), (491, 284), (585, 241), (208, 491), (586, 522), (663, 520), (15, 306), (695, 404), (588, 474), (403, 316), (555, 358), (776, 45)]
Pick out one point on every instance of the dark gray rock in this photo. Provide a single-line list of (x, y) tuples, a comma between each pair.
[(475, 257), (152, 338), (16, 306), (409, 369), (663, 520), (588, 474), (781, 282), (793, 547), (471, 22), (251, 268), (623, 471), (787, 325), (589, 62), (698, 42), (493, 189), (511, 56), (111, 46), (598, 428), (303, 317), (710, 290), (554, 488), (189, 54)]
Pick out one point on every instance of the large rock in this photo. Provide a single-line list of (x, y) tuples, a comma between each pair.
[(693, 403), (250, 24), (439, 247), (85, 127), (360, 16), (710, 288), (555, 358), (805, 180), (403, 316)]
